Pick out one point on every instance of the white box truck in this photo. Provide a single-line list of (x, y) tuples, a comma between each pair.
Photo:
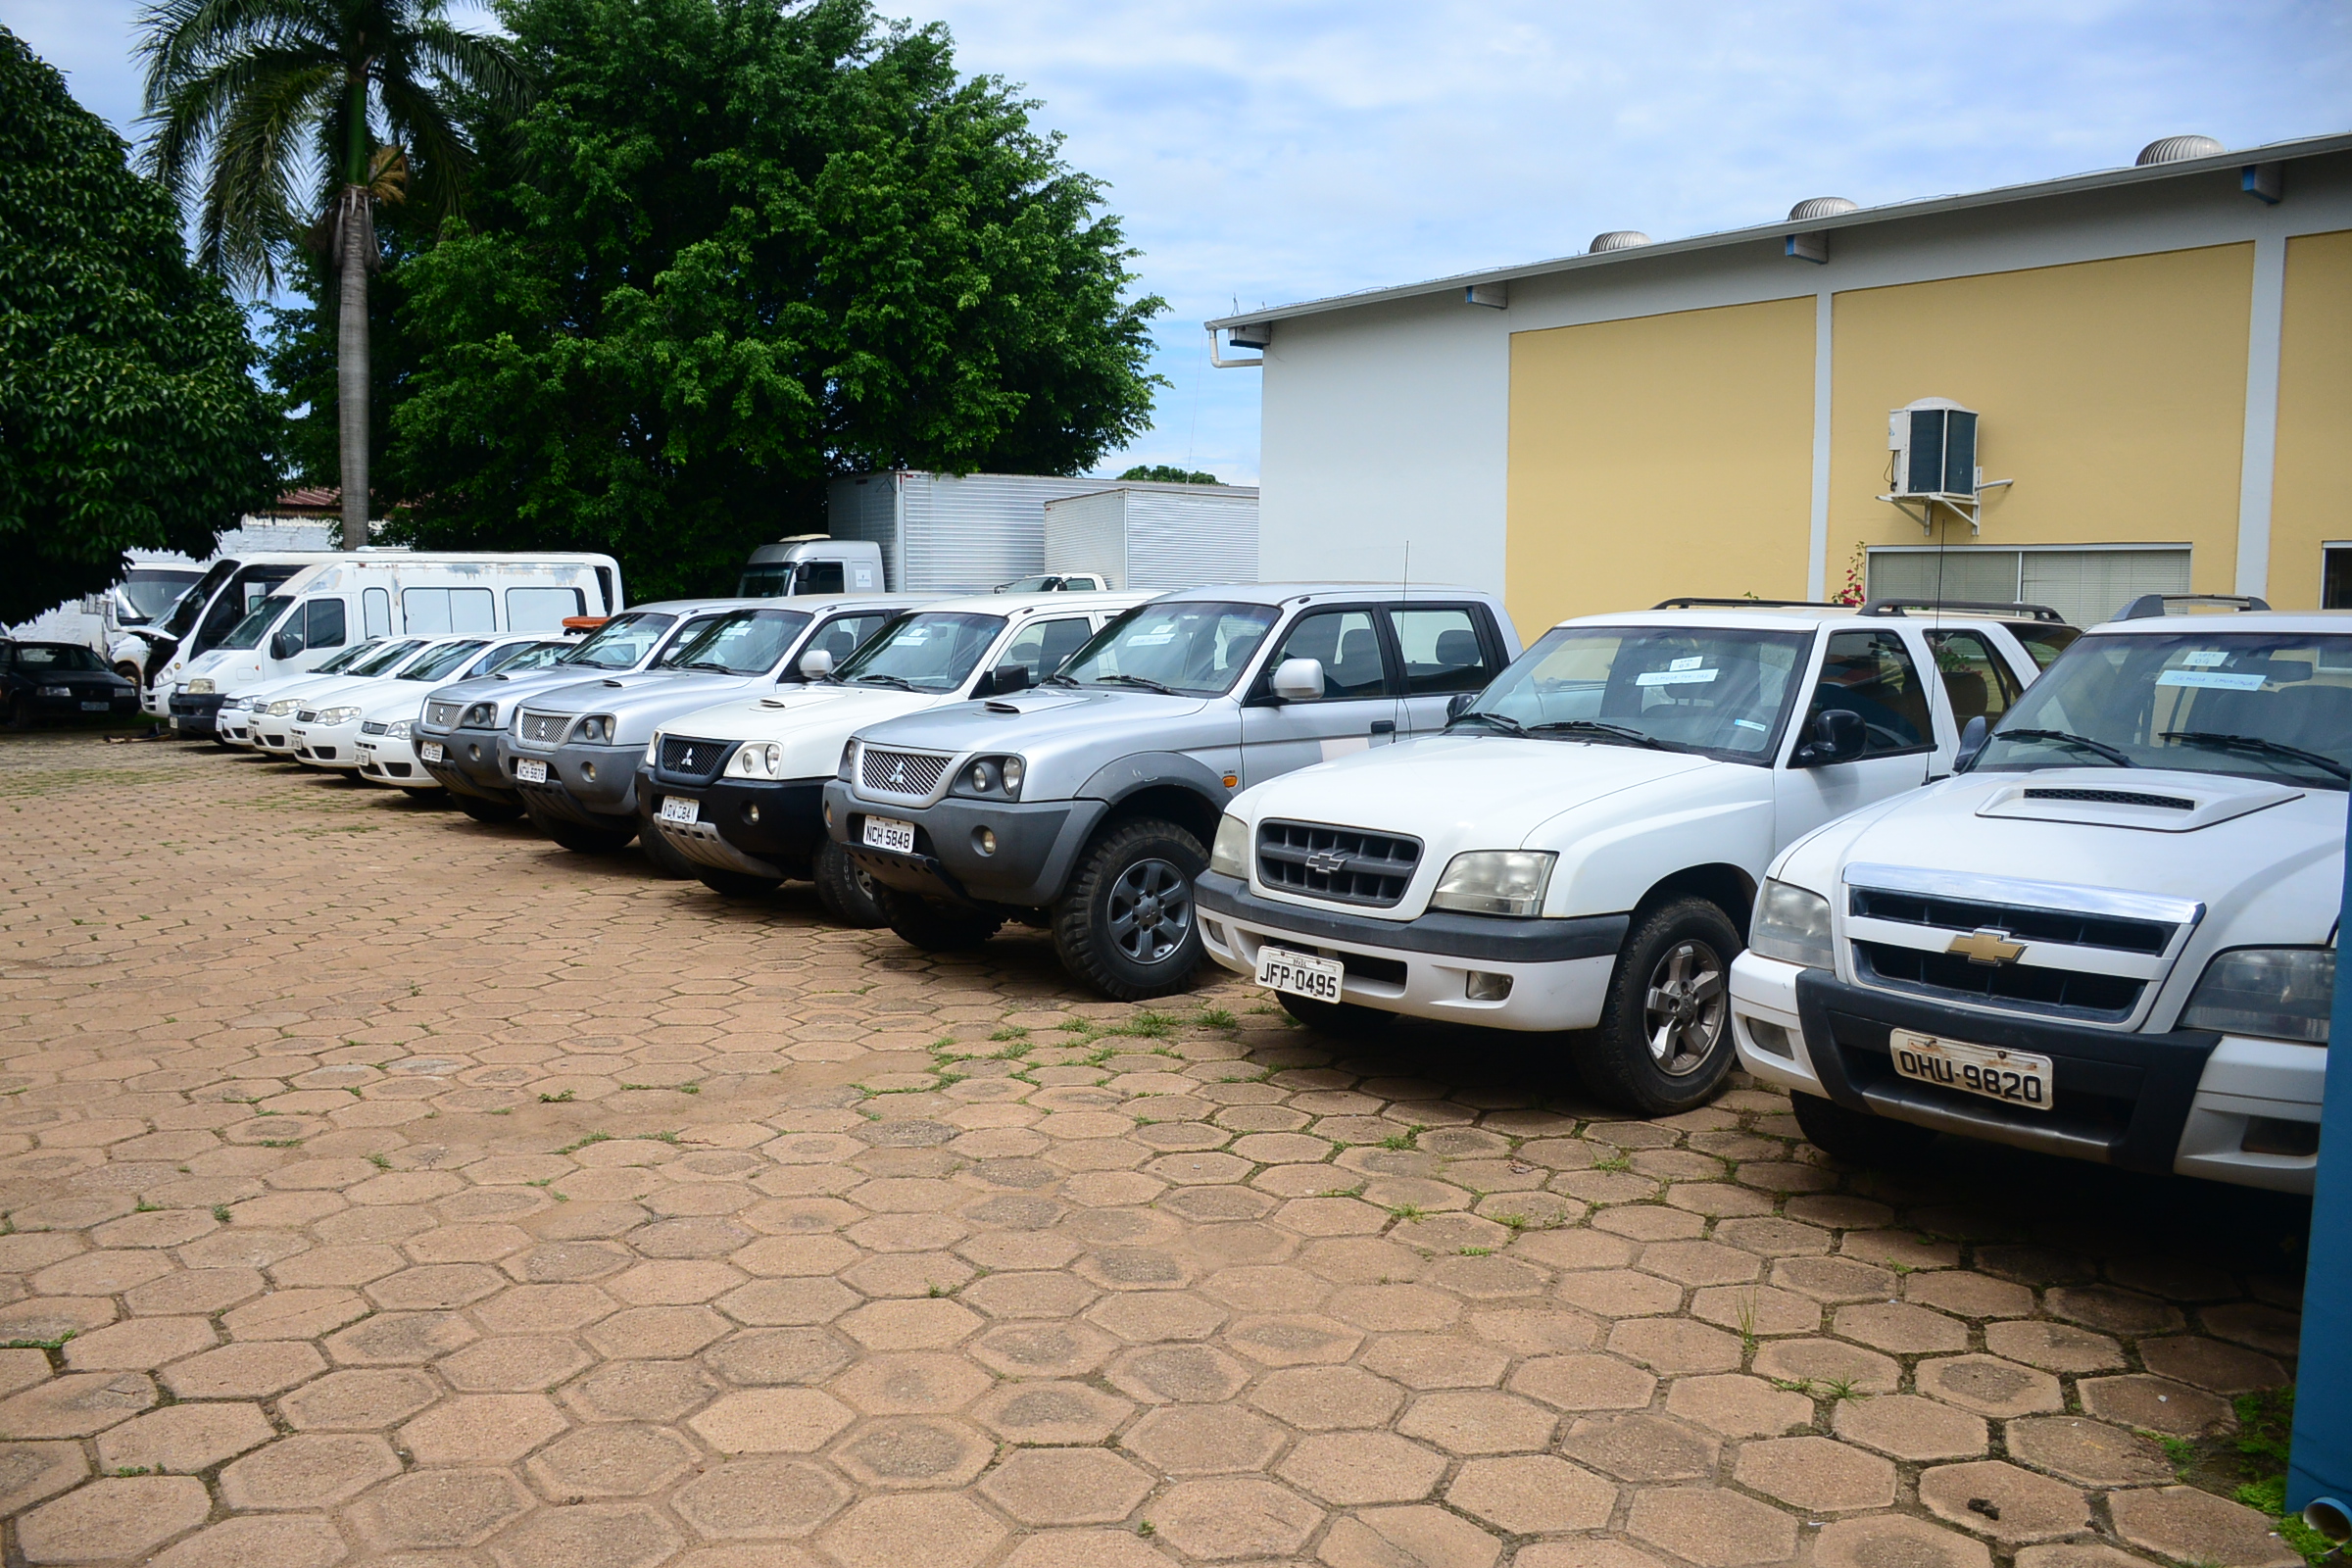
[(1156, 537), (944, 532)]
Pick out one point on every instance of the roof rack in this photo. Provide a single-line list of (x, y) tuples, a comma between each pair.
[(1688, 603), (2149, 606), (2019, 611)]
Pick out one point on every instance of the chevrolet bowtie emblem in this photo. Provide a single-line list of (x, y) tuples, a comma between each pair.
[(1988, 944), (1327, 861)]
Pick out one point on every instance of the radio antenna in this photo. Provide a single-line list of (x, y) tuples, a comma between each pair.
[(1407, 585)]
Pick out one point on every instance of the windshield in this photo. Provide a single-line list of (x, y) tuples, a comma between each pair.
[(1197, 650), (383, 656), (440, 661), (743, 642), (348, 657), (148, 592), (2251, 704), (1029, 585), (622, 642), (768, 579), (249, 632), (931, 653), (1717, 690), (519, 657), (183, 617), (40, 657)]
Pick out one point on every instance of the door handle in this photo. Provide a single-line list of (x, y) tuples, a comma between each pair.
[(1383, 726)]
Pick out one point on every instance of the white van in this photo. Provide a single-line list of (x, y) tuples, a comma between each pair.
[(324, 604)]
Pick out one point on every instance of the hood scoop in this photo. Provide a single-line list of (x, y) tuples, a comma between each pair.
[(2171, 802)]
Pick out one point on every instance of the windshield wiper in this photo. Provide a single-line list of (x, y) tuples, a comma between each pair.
[(885, 680), (710, 663), (2069, 738), (1144, 681), (1593, 727), (2255, 743), (1502, 722)]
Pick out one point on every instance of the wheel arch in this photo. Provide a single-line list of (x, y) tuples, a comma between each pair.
[(1168, 785), (1727, 887)]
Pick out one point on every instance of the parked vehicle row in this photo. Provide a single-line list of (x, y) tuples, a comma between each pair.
[(1372, 802)]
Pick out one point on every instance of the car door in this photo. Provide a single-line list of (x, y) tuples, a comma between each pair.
[(1359, 707), (1441, 650), (1875, 672)]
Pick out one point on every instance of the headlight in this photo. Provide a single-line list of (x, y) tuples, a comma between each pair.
[(201, 686), (1496, 882), (597, 729), (481, 715), (849, 763), (1230, 855), (57, 691), (282, 707), (757, 759), (2276, 992), (331, 716), (400, 729), (1793, 925), (997, 776)]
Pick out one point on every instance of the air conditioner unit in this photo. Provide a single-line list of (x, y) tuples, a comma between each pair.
[(1935, 445)]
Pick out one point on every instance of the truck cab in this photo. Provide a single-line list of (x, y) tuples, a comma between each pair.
[(812, 564), (2110, 936), (1578, 847)]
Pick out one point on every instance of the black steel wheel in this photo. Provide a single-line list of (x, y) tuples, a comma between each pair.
[(1126, 923)]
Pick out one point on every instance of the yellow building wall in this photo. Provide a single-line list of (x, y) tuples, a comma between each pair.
[(2308, 500), (2112, 392), (1658, 456)]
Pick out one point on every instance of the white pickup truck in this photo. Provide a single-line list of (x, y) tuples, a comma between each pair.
[(1581, 848), (2112, 936)]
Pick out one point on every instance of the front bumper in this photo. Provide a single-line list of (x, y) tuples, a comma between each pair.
[(117, 704), (1559, 970), (1037, 842), (392, 759), (754, 827), (469, 765), (2186, 1101), (194, 714), (595, 786), (324, 746)]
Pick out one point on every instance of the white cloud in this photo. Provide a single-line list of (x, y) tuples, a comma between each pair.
[(1275, 150)]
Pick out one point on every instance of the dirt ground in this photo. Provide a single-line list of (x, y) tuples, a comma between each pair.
[(383, 1188)]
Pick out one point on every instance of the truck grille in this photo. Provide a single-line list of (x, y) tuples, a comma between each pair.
[(684, 757), (441, 715), (2117, 933), (545, 730), (912, 774), (2062, 993), (1342, 864)]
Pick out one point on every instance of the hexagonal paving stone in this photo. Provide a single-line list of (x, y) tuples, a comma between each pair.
[(610, 1461), (1183, 1440), (2090, 1454), (595, 1536), (1816, 1475), (760, 1499), (516, 1364), (440, 1510), (2187, 1525), (2211, 1364), (1381, 1537), (945, 1529), (1988, 1386), (2001, 1500), (1066, 1486), (2053, 1346), (79, 1405), (913, 1452), (113, 1518), (1739, 1406), (1900, 1329), (773, 1421), (1712, 1528), (358, 1400), (1675, 1345), (1478, 1421), (183, 1439), (283, 1540), (1641, 1448), (309, 1470), (1585, 1383), (1353, 1468), (1076, 1548), (1905, 1426), (1532, 1494), (244, 1371), (1882, 1539), (481, 1429), (1322, 1398), (1224, 1519), (2158, 1403), (1826, 1364), (1192, 1374)]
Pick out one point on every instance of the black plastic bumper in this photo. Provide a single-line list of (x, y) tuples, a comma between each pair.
[(2117, 1098), (196, 713), (1036, 845), (469, 765), (1500, 939), (780, 822), (595, 786)]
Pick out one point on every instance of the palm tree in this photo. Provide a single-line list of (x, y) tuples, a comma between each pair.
[(263, 114)]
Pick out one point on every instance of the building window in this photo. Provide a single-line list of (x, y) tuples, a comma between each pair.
[(2335, 577), (2086, 584)]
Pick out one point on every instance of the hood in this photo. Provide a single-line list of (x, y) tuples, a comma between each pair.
[(811, 722), (506, 690), (641, 701), (1052, 718)]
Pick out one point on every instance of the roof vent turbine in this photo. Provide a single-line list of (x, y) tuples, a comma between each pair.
[(1821, 206), (1617, 239), (2174, 149)]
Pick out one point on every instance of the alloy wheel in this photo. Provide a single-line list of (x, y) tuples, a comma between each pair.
[(1151, 910), (1684, 1008)]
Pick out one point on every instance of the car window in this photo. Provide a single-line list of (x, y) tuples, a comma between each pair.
[(2045, 641), (622, 642), (817, 577), (1345, 644), (441, 661), (1043, 646), (1441, 650), (1977, 681), (742, 642), (515, 657), (1197, 646), (325, 625), (1871, 674), (45, 657), (843, 635), (1720, 691), (933, 652)]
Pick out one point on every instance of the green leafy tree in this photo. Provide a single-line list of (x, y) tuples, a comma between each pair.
[(127, 415), (752, 245), (264, 115), (1167, 473)]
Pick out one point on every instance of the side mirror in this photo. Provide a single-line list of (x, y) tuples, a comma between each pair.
[(817, 664), (1458, 704), (1973, 735), (285, 645), (1005, 680), (1299, 680), (1835, 735)]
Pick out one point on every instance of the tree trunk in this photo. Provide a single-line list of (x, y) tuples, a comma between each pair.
[(351, 369)]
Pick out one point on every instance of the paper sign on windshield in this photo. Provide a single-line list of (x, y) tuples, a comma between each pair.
[(2210, 677), (1677, 676)]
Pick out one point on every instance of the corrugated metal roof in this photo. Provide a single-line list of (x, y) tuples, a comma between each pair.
[(2002, 195)]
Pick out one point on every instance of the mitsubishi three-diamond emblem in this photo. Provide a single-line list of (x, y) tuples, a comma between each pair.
[(897, 775)]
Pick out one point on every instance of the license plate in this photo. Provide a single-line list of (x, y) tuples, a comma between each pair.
[(1301, 974), (682, 809), (530, 770), (96, 707), (430, 751), (2012, 1077), (888, 833)]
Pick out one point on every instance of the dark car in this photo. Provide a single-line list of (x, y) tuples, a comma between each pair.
[(59, 680)]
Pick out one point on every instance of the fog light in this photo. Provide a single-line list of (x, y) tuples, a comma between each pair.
[(750, 813), (1484, 987), (2273, 1135), (588, 772), (828, 814), (474, 752), (983, 840), (1770, 1038)]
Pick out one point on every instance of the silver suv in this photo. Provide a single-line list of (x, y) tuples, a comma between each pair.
[(1088, 805)]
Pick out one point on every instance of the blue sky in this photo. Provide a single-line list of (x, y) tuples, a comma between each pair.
[(1261, 151)]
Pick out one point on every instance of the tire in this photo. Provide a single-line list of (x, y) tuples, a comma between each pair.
[(736, 884), (1126, 924), (1673, 984), (850, 896), (484, 809), (19, 715), (933, 926), (132, 673), (664, 856), (580, 838), (1850, 1135), (1343, 1020)]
